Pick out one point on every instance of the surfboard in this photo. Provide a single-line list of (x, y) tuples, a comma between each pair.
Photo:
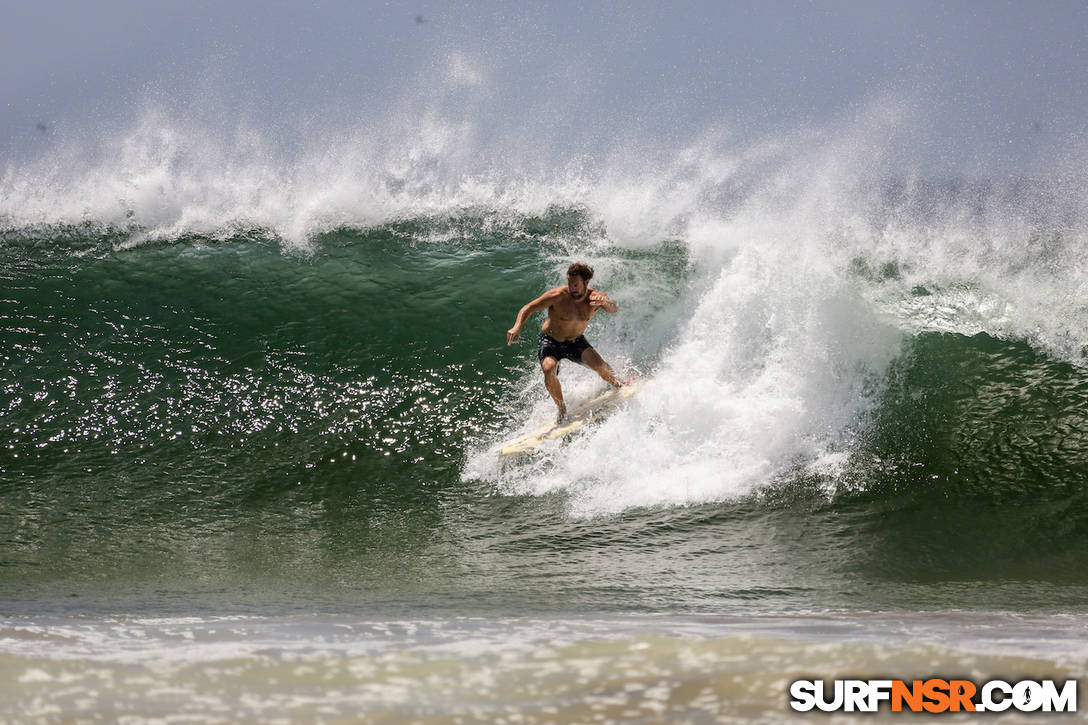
[(576, 418)]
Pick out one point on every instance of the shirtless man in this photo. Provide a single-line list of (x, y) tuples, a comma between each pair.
[(570, 308)]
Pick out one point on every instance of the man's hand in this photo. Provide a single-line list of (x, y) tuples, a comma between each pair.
[(599, 300), (513, 335)]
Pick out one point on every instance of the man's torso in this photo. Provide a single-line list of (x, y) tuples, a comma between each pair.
[(568, 317)]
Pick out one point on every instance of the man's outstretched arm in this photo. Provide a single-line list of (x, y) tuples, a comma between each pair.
[(542, 302)]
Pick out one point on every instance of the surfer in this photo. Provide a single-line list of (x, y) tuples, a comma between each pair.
[(570, 308)]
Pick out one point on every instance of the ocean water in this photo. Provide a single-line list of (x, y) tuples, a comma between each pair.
[(251, 404)]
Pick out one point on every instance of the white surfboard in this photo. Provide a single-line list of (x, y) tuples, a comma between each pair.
[(576, 418)]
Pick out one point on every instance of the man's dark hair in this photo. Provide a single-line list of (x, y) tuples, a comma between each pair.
[(582, 270)]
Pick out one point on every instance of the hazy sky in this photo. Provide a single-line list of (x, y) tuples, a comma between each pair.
[(988, 85)]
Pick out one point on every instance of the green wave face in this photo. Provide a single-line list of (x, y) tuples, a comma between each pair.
[(224, 410), (976, 463), (236, 344), (228, 420)]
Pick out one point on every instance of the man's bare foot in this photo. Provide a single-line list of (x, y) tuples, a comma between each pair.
[(562, 414)]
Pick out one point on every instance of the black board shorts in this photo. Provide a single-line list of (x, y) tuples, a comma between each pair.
[(566, 350)]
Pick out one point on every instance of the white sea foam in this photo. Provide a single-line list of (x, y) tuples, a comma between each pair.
[(309, 668), (772, 350), (805, 286)]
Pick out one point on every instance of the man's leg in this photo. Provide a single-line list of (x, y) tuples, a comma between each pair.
[(550, 366), (592, 360)]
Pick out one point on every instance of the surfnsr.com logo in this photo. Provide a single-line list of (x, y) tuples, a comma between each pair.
[(934, 695)]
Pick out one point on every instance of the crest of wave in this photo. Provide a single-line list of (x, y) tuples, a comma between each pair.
[(1006, 258), (165, 176)]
